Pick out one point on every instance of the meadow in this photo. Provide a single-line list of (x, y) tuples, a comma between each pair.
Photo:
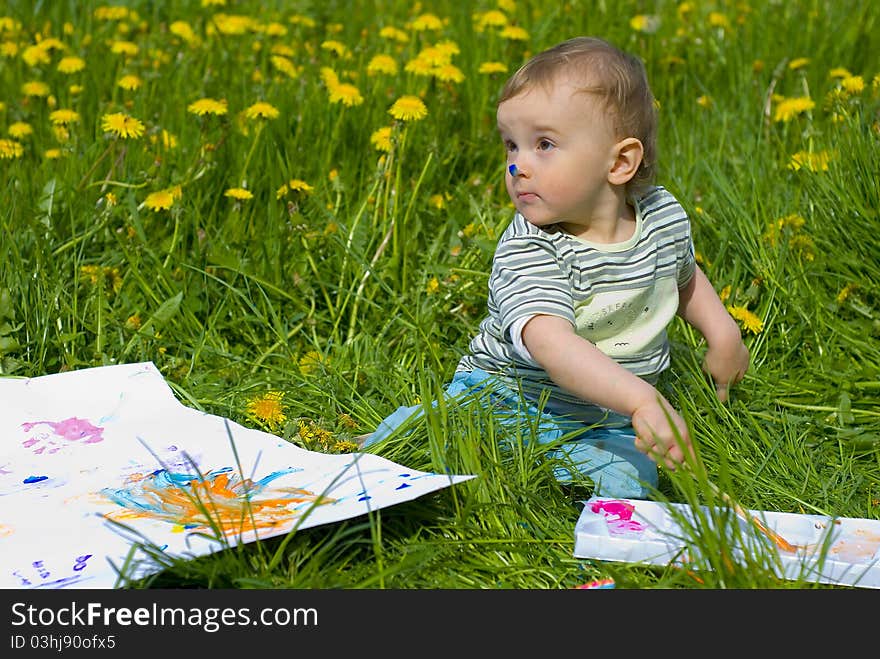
[(291, 208)]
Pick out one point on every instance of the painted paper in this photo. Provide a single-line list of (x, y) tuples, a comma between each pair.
[(96, 461), (842, 550)]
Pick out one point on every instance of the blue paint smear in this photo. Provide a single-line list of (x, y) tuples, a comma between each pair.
[(35, 479), (402, 485), (364, 498)]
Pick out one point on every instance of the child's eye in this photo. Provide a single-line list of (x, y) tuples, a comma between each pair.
[(545, 145), (510, 146)]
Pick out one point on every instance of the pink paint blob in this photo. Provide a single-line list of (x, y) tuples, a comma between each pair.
[(618, 516)]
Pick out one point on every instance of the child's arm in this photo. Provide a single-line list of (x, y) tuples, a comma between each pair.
[(580, 368), (727, 357)]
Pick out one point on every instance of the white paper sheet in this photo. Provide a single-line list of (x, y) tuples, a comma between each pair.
[(635, 531), (83, 449)]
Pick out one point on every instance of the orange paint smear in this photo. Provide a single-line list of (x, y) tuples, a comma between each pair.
[(217, 503), (777, 539)]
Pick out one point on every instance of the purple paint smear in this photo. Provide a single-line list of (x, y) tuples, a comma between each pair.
[(73, 429)]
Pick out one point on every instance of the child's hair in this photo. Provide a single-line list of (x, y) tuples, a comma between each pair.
[(617, 77)]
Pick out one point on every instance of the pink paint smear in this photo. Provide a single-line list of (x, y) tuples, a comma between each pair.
[(618, 516)]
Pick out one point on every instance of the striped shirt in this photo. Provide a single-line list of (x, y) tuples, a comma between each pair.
[(619, 296)]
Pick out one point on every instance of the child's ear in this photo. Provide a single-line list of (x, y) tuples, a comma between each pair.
[(628, 157)]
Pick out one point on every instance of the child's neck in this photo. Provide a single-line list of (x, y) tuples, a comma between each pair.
[(613, 222)]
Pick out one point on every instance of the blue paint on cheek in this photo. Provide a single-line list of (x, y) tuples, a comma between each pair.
[(35, 479), (512, 169)]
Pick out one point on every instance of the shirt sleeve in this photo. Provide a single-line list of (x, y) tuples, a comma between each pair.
[(686, 263), (528, 278)]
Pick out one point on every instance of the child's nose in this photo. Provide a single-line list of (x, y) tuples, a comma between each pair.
[(515, 170)]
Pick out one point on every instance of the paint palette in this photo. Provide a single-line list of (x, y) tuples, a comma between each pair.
[(840, 550)]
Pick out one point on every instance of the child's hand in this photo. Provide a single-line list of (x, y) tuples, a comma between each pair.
[(726, 364), (655, 436)]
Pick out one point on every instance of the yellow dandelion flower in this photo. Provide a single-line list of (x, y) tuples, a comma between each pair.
[(311, 362), (704, 101), (789, 108), (647, 23), (8, 49), (128, 48), (133, 322), (347, 94), (111, 13), (35, 88), (20, 129), (10, 149), (382, 64), (238, 193), (426, 22), (305, 21), (346, 446), (52, 154), (261, 110), (35, 56), (845, 292), (491, 18), (284, 65), (130, 82), (183, 30), (747, 320), (233, 24), (514, 33), (433, 286), (268, 408), (853, 84), (839, 72), (122, 125), (63, 116), (438, 201), (293, 185), (492, 67), (725, 293), (408, 108), (71, 64), (419, 66), (803, 246), (328, 77), (213, 3), (312, 434), (275, 29), (336, 47), (381, 139), (435, 55), (297, 185), (161, 200), (75, 89), (448, 73), (168, 140), (205, 106), (814, 162), (111, 199), (90, 272), (717, 19), (393, 34)]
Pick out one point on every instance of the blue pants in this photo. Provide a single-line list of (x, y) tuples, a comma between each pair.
[(605, 454)]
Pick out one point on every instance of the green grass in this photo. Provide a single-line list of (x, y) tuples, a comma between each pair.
[(361, 294)]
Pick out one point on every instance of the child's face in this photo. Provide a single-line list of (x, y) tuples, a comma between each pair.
[(563, 147)]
